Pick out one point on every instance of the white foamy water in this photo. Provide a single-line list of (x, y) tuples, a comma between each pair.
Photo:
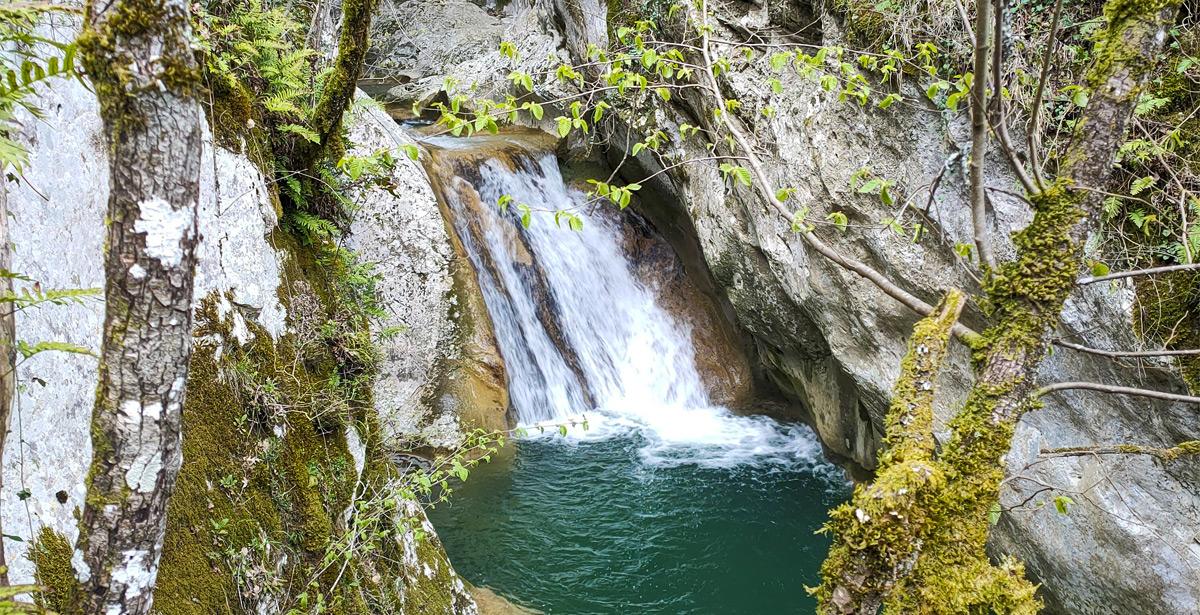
[(617, 358)]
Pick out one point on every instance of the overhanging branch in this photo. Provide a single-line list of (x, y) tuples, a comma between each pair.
[(1118, 390), (1126, 353), (1137, 272)]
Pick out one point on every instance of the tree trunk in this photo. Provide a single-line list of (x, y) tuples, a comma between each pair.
[(341, 84), (931, 557), (141, 64)]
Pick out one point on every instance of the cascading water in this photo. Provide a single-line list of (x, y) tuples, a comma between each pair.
[(580, 335), (666, 503)]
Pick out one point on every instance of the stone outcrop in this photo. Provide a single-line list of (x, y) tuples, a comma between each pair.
[(249, 271), (832, 342), (440, 360)]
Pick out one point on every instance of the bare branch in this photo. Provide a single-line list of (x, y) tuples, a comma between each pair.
[(1191, 447), (1035, 122), (1126, 353), (979, 86), (998, 104), (765, 187), (1108, 388), (1137, 272)]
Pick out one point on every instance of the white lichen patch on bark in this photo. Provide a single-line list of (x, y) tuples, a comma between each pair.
[(83, 572), (136, 572), (165, 228), (143, 471)]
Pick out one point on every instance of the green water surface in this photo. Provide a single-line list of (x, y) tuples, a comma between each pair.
[(583, 527)]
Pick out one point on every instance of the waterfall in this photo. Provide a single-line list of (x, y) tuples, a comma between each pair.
[(580, 335)]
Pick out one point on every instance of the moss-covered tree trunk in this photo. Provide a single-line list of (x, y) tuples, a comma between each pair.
[(918, 546), (139, 57), (339, 89)]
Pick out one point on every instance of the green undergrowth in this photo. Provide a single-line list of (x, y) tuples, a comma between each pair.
[(1167, 312), (50, 554), (259, 515)]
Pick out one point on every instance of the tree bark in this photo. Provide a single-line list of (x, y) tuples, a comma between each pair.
[(942, 565), (141, 64), (342, 82)]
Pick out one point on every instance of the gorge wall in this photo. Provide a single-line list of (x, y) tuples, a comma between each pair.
[(280, 445), (830, 340)]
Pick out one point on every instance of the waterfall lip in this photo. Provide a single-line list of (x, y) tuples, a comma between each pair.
[(478, 146)]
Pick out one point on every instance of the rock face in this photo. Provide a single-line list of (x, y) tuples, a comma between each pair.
[(443, 363), (57, 229), (833, 343)]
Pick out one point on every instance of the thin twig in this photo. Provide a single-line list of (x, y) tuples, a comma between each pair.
[(979, 99), (1137, 272), (1035, 122), (1184, 448), (1108, 388), (1126, 353)]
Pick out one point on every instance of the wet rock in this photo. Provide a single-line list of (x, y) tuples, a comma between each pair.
[(721, 353), (441, 373)]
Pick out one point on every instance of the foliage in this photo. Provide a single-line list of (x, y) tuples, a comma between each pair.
[(29, 59), (10, 604)]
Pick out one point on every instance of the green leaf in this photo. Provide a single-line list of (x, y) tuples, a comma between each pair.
[(1099, 269), (526, 214), (739, 173), (649, 58), (1141, 184), (776, 86), (936, 88), (870, 186), (798, 225), (994, 514), (663, 93), (562, 430), (535, 110), (411, 151), (953, 100), (564, 126), (838, 219), (508, 50), (885, 196), (505, 199), (779, 60), (301, 131), (575, 222), (1080, 98), (1061, 504), (889, 100), (783, 194), (601, 107)]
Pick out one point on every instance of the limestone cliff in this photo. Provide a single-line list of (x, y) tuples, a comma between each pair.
[(830, 340)]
